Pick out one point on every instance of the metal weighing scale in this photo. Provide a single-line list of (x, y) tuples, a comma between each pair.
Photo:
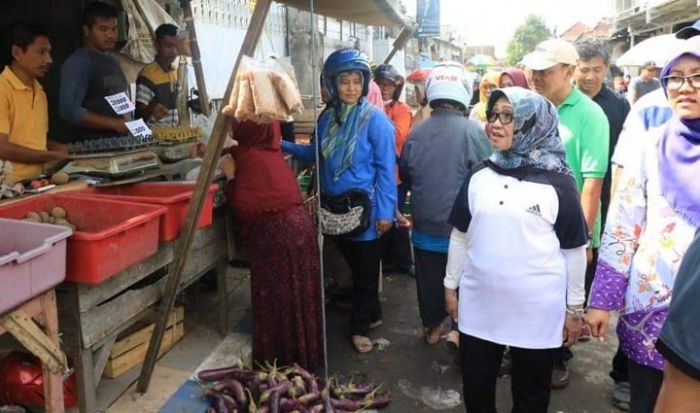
[(122, 159), (113, 158)]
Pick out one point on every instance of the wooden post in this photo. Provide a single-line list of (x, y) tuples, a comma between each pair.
[(196, 57), (206, 173), (400, 42)]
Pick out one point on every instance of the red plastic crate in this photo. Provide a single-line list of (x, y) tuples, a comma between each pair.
[(110, 235), (32, 260), (174, 196)]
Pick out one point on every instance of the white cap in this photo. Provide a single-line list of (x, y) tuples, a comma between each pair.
[(550, 53), (449, 81)]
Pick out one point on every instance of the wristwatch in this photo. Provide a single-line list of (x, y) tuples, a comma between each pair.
[(575, 311), (589, 240)]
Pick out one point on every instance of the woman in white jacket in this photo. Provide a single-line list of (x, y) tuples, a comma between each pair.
[(517, 254)]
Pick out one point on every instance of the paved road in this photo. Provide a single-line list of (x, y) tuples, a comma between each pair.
[(423, 379)]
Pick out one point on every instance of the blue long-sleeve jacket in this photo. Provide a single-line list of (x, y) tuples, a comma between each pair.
[(372, 170)]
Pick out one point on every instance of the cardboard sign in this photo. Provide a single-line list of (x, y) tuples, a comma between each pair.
[(138, 128), (120, 103)]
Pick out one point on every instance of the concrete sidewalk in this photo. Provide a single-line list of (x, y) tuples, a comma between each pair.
[(421, 378)]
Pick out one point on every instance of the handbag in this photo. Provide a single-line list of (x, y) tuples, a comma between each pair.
[(347, 214)]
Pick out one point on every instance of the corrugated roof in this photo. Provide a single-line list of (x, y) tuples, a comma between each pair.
[(370, 12)]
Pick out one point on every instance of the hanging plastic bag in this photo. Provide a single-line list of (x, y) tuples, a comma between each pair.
[(264, 92), (144, 17)]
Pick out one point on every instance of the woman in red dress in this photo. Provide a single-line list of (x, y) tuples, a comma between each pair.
[(282, 245)]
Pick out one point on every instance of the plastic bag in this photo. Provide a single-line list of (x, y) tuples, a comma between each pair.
[(264, 92), (205, 124), (144, 17)]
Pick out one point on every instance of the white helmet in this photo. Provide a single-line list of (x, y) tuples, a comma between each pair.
[(450, 81)]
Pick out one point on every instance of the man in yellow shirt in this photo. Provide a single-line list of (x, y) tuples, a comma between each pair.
[(24, 119)]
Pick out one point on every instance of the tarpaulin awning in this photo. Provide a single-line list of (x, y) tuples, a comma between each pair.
[(370, 12)]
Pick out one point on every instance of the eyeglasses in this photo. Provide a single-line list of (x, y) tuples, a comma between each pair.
[(675, 82), (504, 117)]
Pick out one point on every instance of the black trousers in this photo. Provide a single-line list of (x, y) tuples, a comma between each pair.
[(430, 272), (645, 384), (620, 369), (363, 258), (397, 241), (531, 376)]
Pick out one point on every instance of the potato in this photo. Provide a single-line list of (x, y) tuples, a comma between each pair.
[(44, 216), (52, 220), (63, 222), (58, 212), (33, 215), (60, 178), (34, 218)]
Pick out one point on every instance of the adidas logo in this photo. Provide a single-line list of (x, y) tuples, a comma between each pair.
[(535, 210)]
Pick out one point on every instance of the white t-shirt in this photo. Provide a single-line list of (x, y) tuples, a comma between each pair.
[(649, 111), (513, 288)]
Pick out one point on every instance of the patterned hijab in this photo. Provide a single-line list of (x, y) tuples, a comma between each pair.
[(343, 123), (536, 143)]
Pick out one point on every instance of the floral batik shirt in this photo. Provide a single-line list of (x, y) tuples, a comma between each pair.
[(642, 247)]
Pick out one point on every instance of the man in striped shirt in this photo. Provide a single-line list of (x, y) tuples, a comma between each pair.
[(156, 84)]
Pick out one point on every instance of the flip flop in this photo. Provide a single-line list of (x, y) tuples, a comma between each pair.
[(433, 335), (362, 344)]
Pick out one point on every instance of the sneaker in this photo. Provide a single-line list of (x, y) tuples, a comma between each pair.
[(560, 375), (621, 395)]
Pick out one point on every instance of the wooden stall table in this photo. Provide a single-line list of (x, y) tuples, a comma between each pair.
[(92, 316), (42, 309)]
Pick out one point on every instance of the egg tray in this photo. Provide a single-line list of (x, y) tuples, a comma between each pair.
[(168, 134), (111, 144)]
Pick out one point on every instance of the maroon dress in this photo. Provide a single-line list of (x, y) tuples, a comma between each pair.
[(283, 249)]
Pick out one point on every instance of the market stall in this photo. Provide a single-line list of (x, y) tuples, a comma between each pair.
[(31, 264), (104, 295)]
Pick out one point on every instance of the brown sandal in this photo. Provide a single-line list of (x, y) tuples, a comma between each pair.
[(433, 335), (362, 344)]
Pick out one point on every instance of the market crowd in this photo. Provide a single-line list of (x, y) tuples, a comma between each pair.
[(534, 214), (537, 207)]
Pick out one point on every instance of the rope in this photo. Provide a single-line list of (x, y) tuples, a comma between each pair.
[(315, 92)]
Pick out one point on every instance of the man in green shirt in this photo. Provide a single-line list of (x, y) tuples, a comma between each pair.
[(585, 132)]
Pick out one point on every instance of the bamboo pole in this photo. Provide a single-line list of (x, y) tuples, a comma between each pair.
[(400, 42), (196, 57), (206, 173)]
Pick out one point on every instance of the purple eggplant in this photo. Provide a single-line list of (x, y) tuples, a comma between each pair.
[(309, 398), (274, 402), (280, 388), (217, 374), (290, 405), (380, 401), (234, 388), (218, 402)]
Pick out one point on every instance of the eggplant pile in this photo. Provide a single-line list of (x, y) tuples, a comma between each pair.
[(292, 389)]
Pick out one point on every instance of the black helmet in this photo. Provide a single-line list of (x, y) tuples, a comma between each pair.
[(390, 72)]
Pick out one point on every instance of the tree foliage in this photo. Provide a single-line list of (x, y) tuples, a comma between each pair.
[(526, 36)]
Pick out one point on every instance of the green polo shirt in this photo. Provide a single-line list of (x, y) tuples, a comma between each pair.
[(585, 132)]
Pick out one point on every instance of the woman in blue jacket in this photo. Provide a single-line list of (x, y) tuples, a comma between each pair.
[(357, 152)]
